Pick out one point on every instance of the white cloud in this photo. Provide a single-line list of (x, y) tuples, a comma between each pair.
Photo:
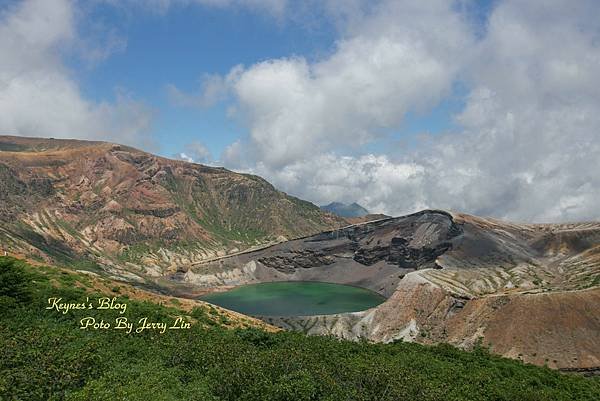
[(195, 152), (528, 148), (374, 181), (183, 156), (531, 124), (397, 63), (528, 145), (200, 152), (38, 97), (102, 43), (213, 91), (213, 88)]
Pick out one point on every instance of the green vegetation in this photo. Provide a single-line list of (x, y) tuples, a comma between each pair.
[(44, 356), (205, 211), (135, 252), (67, 227)]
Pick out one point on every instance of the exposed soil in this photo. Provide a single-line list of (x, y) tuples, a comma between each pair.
[(528, 292)]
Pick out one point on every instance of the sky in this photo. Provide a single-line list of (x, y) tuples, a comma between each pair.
[(484, 107)]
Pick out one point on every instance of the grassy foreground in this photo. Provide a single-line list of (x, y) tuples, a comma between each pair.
[(44, 355)]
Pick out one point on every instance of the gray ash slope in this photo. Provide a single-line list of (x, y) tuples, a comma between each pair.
[(438, 243), (374, 255), (527, 291)]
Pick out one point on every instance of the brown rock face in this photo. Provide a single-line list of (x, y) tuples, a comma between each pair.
[(529, 292), (71, 201)]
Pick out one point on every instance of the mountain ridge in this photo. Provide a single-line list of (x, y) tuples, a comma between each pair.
[(346, 210), (133, 213), (526, 291)]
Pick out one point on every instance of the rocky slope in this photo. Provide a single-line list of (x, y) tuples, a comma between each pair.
[(526, 291), (136, 215)]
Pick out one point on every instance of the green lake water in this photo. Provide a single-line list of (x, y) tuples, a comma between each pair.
[(295, 298)]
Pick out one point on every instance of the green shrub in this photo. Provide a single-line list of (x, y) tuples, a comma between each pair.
[(14, 281), (44, 356)]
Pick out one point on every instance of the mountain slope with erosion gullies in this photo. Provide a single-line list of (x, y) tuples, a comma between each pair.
[(529, 292), (525, 291), (101, 206), (218, 355)]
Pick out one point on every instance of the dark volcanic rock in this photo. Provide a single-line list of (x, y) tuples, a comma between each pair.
[(413, 242), (375, 255), (410, 242), (519, 289), (306, 259)]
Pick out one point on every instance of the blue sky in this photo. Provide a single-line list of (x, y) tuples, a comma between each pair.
[(486, 107), (178, 46)]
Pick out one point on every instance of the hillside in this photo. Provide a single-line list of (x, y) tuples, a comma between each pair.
[(45, 356), (136, 215), (525, 291), (528, 292)]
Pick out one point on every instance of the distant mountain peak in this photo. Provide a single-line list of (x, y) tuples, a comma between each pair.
[(345, 210)]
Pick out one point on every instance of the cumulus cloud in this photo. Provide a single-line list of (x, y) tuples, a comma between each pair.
[(531, 121), (38, 96), (396, 64), (213, 88), (184, 156), (195, 152), (527, 148), (375, 181)]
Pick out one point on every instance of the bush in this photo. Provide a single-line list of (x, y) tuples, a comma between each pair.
[(15, 282), (44, 356)]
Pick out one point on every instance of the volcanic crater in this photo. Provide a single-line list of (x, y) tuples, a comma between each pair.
[(525, 291)]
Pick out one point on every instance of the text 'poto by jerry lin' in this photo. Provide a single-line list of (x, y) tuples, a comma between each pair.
[(121, 323)]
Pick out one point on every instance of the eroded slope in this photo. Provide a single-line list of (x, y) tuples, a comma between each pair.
[(527, 291), (135, 214)]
